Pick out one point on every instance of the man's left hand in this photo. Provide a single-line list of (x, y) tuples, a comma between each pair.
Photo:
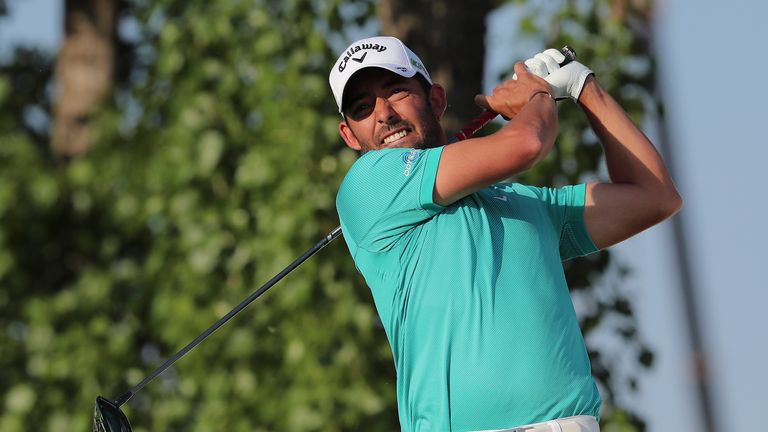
[(567, 81)]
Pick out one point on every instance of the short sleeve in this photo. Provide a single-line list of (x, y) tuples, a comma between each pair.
[(565, 206), (386, 193)]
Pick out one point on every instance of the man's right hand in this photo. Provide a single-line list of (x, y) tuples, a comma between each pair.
[(509, 97), (473, 164)]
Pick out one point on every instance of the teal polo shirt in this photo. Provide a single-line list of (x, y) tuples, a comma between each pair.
[(472, 296)]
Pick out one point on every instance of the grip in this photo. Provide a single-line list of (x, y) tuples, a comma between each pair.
[(569, 53)]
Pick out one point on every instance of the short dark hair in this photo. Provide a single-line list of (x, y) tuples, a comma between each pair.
[(424, 84)]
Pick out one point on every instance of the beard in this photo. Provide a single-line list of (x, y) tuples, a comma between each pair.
[(431, 133)]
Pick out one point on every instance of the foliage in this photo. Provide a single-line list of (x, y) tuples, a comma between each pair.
[(217, 164)]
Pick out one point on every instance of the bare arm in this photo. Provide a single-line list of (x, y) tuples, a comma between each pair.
[(470, 165), (641, 193)]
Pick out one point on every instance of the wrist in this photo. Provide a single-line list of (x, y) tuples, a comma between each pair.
[(540, 93), (588, 89)]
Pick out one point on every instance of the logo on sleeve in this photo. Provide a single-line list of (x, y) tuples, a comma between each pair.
[(409, 158)]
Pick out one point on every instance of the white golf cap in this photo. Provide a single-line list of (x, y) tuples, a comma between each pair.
[(384, 52)]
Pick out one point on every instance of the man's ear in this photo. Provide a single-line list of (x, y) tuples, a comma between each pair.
[(438, 100), (349, 137)]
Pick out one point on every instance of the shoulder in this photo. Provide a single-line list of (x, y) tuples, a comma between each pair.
[(378, 160), (386, 165), (375, 157)]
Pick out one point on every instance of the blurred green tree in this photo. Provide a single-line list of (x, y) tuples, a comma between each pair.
[(215, 162)]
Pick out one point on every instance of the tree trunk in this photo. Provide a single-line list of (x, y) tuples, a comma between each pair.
[(84, 72), (449, 37)]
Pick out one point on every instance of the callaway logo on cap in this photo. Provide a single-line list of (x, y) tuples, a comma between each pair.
[(384, 52)]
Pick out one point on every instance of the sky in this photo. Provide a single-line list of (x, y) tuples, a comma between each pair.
[(712, 57)]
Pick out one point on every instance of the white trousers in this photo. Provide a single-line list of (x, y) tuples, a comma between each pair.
[(565, 424)]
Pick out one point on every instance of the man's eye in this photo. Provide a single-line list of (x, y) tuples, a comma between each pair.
[(360, 110)]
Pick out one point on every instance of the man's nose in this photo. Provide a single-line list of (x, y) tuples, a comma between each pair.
[(385, 112)]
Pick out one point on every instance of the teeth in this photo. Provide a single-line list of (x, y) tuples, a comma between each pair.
[(394, 137)]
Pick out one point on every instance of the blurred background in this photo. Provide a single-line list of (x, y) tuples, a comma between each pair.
[(161, 159)]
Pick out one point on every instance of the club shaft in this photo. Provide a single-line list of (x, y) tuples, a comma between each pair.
[(297, 262)]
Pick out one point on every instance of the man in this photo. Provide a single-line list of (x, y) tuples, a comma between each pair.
[(466, 271)]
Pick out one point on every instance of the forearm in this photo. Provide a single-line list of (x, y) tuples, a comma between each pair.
[(468, 166), (537, 121), (630, 156), (520, 143)]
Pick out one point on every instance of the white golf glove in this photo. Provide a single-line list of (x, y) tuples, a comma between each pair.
[(566, 81)]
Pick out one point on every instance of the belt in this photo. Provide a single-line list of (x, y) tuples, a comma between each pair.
[(565, 424)]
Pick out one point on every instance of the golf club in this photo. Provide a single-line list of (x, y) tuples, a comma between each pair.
[(107, 416)]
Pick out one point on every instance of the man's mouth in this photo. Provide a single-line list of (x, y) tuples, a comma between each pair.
[(395, 136)]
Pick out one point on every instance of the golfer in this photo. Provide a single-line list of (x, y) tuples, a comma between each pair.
[(466, 269)]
